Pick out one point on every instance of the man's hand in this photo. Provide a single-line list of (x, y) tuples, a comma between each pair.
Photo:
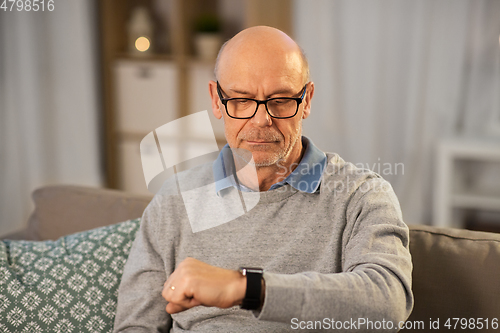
[(197, 283)]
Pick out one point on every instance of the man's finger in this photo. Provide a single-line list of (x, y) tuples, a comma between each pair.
[(176, 307), (167, 292)]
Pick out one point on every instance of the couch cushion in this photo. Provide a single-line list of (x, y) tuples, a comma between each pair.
[(68, 285), (64, 209), (456, 274)]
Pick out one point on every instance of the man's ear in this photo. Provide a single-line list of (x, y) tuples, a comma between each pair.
[(307, 100), (212, 89)]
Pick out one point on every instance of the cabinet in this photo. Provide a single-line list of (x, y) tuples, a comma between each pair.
[(458, 168), (147, 97)]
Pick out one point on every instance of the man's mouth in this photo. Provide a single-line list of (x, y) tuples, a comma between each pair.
[(259, 141), (255, 139)]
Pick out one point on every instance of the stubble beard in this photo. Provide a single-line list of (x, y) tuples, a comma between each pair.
[(278, 157)]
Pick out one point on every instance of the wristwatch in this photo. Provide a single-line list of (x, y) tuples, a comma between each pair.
[(254, 286)]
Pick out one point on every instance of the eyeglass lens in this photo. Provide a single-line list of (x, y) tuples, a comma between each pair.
[(278, 107)]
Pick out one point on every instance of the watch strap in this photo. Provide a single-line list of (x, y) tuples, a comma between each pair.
[(254, 287)]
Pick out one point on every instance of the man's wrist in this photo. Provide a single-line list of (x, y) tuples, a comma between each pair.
[(241, 287)]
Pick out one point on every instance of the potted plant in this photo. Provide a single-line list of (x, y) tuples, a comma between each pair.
[(208, 39)]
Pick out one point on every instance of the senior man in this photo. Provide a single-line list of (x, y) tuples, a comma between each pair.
[(324, 248)]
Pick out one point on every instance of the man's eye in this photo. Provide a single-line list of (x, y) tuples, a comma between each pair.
[(242, 101), (280, 101)]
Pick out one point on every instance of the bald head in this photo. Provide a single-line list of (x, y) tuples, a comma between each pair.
[(261, 46)]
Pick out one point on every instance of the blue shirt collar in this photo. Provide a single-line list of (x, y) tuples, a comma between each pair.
[(305, 178)]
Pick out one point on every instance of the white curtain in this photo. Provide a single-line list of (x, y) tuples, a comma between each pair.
[(393, 77), (49, 131)]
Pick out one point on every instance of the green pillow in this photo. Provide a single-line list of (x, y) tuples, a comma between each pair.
[(68, 285)]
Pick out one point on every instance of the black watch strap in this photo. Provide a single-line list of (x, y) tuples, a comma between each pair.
[(254, 286)]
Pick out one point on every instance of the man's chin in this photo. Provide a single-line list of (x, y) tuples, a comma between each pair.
[(264, 155), (265, 159)]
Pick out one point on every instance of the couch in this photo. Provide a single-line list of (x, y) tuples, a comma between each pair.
[(61, 274)]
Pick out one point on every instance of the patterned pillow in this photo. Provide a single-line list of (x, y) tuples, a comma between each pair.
[(68, 285)]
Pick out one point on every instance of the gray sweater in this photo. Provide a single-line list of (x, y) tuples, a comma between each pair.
[(336, 258)]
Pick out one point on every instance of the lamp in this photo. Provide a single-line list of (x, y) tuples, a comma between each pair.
[(140, 31)]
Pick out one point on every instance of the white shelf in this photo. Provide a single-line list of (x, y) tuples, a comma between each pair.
[(476, 201), (449, 175), (473, 149)]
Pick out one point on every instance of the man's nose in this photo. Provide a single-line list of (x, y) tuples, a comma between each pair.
[(261, 117)]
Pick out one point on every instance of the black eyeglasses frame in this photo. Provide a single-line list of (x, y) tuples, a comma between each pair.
[(259, 102)]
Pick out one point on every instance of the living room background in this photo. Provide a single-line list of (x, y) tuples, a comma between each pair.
[(394, 79)]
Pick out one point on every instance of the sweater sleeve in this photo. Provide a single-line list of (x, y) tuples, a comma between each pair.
[(375, 282), (141, 308)]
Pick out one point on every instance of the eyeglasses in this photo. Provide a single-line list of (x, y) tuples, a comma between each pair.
[(246, 108)]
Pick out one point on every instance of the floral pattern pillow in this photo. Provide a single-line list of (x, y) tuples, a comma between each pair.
[(68, 285)]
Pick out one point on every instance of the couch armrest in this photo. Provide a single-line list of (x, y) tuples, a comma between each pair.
[(64, 209), (455, 274)]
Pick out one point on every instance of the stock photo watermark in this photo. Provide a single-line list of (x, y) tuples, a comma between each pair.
[(451, 324), (384, 169), (27, 5), (175, 149)]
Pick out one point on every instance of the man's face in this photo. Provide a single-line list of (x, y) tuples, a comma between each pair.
[(262, 76)]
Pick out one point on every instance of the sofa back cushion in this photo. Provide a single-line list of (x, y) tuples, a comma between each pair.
[(68, 285), (65, 209), (456, 274)]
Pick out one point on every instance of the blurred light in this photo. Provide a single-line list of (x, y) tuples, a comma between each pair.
[(142, 44)]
